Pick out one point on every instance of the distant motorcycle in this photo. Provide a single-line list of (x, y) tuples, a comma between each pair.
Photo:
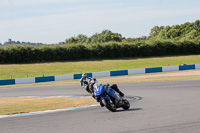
[(109, 98)]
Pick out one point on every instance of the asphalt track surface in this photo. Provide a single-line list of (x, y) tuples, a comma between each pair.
[(164, 107)]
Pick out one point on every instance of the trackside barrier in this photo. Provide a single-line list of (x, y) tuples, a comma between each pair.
[(101, 74), (98, 74), (186, 67), (170, 68), (197, 66), (153, 70), (136, 71), (64, 77), (119, 73), (44, 79), (25, 80), (78, 76), (7, 82)]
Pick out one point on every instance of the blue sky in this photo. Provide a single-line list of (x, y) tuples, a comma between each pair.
[(52, 21)]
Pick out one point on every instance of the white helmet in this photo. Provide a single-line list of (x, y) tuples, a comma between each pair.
[(84, 75)]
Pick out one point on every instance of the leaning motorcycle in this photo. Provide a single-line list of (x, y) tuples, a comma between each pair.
[(109, 98)]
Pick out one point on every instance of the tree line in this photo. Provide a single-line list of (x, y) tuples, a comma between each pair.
[(104, 36), (30, 54), (184, 32), (170, 40)]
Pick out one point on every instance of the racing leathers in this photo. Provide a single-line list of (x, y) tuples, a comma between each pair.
[(115, 87), (84, 83)]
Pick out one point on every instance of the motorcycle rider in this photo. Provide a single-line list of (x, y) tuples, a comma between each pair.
[(88, 87), (84, 82)]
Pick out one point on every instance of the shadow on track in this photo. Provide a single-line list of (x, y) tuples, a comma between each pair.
[(133, 109)]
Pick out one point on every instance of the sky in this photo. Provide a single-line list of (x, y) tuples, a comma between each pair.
[(53, 21)]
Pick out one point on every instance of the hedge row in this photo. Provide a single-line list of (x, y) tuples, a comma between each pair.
[(30, 54)]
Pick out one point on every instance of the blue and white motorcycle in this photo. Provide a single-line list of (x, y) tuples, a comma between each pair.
[(109, 98)]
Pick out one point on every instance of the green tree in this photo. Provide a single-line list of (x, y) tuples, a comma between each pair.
[(71, 40), (197, 25), (156, 30), (82, 38), (106, 36)]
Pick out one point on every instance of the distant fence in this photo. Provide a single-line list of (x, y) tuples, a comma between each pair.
[(98, 74)]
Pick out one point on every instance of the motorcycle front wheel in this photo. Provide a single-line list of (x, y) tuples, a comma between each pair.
[(110, 106), (126, 104)]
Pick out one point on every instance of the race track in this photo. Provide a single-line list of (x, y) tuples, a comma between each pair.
[(164, 107)]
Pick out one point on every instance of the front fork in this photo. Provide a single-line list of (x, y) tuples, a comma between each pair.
[(108, 99)]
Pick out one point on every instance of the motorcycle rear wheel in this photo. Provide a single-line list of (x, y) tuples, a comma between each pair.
[(108, 105)]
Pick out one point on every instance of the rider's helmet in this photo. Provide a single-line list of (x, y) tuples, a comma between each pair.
[(84, 76)]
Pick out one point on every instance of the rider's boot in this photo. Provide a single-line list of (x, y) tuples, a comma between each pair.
[(121, 94), (115, 87)]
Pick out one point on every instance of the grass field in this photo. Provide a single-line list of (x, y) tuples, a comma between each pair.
[(32, 104), (8, 71)]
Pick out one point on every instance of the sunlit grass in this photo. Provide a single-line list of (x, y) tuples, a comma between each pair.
[(31, 104), (8, 71)]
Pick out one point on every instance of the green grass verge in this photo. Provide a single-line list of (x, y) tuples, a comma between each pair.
[(73, 67), (32, 104)]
